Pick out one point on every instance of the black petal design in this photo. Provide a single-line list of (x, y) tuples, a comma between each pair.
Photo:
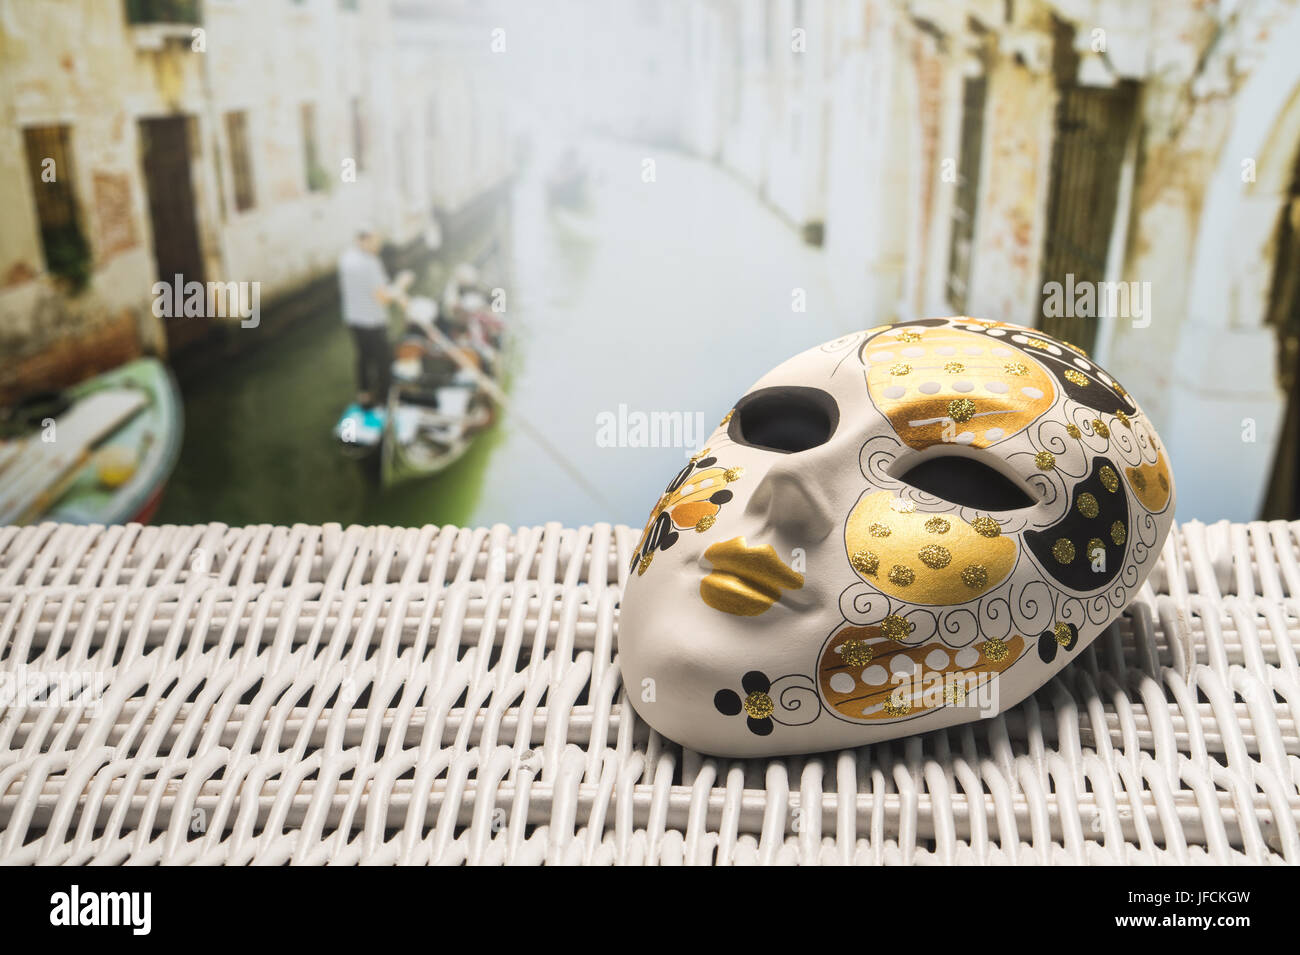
[(755, 682), (761, 727), (1078, 529), (727, 702)]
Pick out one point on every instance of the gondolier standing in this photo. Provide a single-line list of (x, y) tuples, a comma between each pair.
[(366, 293)]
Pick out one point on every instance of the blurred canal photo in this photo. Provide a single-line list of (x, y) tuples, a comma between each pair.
[(408, 262)]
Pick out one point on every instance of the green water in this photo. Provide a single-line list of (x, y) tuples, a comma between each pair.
[(671, 296)]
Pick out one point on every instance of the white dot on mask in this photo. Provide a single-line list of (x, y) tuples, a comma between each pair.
[(928, 387), (962, 386), (894, 391), (1031, 393), (946, 350), (967, 657), (997, 387), (902, 663), (966, 437), (993, 434), (913, 351), (997, 332), (1082, 364), (882, 356), (974, 350), (936, 659), (842, 683), (874, 675), (1001, 352)]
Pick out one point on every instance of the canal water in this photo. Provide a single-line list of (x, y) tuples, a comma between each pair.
[(668, 295)]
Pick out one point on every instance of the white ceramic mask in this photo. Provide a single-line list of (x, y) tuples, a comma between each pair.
[(903, 529)]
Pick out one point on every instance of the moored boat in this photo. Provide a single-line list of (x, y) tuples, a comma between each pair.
[(98, 453)]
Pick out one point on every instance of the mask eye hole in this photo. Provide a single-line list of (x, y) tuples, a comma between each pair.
[(967, 481), (784, 419)]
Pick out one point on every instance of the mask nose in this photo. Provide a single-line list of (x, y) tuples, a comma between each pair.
[(790, 501)]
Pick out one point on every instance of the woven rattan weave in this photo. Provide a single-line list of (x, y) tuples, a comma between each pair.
[(441, 695)]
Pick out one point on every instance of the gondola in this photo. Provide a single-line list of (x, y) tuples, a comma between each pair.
[(441, 399)]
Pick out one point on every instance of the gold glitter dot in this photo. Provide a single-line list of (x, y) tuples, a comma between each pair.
[(700, 454), (1077, 377), (1123, 419), (901, 506), (878, 530), (1099, 427), (1063, 550), (934, 556), (896, 706), (1063, 634), (909, 336), (895, 628), (865, 562), (645, 562), (856, 653), (954, 693), (994, 650), (963, 409), (726, 418), (1095, 544), (1119, 389), (732, 474), (975, 577), (1108, 478), (1073, 431), (901, 368), (1118, 532), (937, 525), (1087, 505), (1045, 460), (902, 575), (954, 367), (704, 523), (986, 527), (758, 705), (1037, 343), (1016, 368)]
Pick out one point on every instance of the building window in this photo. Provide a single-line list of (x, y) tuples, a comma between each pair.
[(49, 164), (316, 178), (241, 168), (358, 135), (162, 11)]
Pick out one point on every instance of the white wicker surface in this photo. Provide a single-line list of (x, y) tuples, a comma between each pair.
[(386, 695)]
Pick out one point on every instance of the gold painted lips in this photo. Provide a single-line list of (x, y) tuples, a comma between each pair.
[(745, 580)]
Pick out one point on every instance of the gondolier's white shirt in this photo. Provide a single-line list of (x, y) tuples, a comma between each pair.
[(360, 276)]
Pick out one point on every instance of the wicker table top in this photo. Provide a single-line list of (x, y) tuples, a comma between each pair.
[(389, 695)]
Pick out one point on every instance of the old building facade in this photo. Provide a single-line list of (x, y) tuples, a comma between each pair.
[(1122, 174), (226, 141)]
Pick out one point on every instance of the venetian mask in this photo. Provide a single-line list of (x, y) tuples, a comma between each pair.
[(904, 529)]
